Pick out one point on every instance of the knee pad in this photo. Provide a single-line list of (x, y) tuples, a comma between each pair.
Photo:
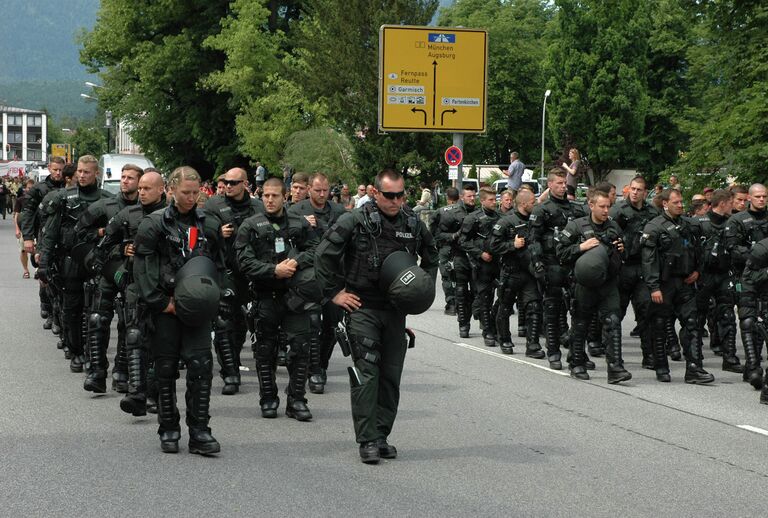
[(200, 367), (690, 324), (314, 321), (166, 368), (97, 321), (748, 324), (132, 337), (264, 350), (611, 322), (533, 307), (299, 346), (221, 323)]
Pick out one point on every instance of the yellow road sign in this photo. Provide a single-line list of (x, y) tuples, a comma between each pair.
[(432, 79)]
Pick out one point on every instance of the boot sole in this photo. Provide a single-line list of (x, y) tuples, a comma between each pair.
[(317, 389), (699, 382), (205, 450), (94, 389), (129, 408), (619, 380), (169, 447), (294, 415), (230, 391)]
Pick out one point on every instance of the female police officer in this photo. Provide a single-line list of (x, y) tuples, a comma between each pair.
[(177, 279)]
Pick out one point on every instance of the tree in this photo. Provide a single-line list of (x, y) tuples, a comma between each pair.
[(324, 150), (597, 64), (151, 59)]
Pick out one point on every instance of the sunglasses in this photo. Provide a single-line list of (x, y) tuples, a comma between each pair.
[(392, 195), (232, 182)]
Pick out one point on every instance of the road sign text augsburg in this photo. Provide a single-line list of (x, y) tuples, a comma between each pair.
[(432, 79)]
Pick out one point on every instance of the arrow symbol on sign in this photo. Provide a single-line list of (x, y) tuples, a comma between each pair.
[(442, 115), (414, 110), (434, 90)]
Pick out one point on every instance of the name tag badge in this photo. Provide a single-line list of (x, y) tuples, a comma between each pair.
[(279, 245)]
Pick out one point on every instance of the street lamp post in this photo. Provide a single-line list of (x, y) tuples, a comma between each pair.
[(108, 125), (543, 119)]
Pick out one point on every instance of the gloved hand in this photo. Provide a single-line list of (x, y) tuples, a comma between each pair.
[(42, 274), (538, 270)]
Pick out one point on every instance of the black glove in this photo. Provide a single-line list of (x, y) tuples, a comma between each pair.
[(42, 274), (538, 270)]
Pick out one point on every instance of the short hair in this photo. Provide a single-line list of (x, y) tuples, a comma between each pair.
[(29, 181), (302, 178), (87, 159), (605, 187), (594, 193), (274, 181), (756, 186), (183, 173), (220, 179), (452, 193), (667, 193), (697, 204), (69, 170), (738, 189), (514, 154), (524, 193), (555, 173), (317, 176), (525, 187), (57, 160), (487, 192), (508, 192), (389, 174), (720, 196), (469, 187), (639, 179), (133, 167)]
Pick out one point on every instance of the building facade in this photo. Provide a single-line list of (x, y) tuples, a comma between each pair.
[(24, 135)]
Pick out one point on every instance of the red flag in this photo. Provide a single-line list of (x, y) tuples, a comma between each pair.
[(192, 238)]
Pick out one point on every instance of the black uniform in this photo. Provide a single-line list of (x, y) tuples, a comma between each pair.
[(444, 253), (263, 241), (350, 257), (321, 347), (547, 221), (59, 237), (121, 231), (742, 231), (671, 253), (516, 282), (474, 240), (448, 232), (163, 245), (631, 285), (603, 300), (753, 309), (717, 283), (103, 299), (230, 327)]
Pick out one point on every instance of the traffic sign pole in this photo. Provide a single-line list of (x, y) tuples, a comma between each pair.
[(458, 141)]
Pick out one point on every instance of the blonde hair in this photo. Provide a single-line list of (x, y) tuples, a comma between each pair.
[(575, 153), (182, 173), (87, 159)]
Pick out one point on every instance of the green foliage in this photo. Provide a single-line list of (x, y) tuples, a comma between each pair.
[(321, 150), (89, 138)]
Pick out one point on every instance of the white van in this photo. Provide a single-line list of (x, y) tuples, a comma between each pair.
[(111, 167)]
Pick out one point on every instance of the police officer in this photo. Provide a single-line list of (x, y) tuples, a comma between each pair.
[(121, 232), (547, 221), (742, 231), (30, 225), (59, 239), (448, 232), (716, 280), (509, 242), (671, 264), (754, 306), (632, 214), (474, 240), (175, 269), (321, 214), (594, 246), (90, 230), (444, 250), (348, 266), (272, 249), (230, 327)]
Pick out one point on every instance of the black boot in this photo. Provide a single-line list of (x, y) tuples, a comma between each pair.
[(764, 393), (135, 401), (96, 380), (269, 401), (594, 338), (726, 331), (48, 323), (753, 373), (167, 412), (522, 321), (296, 408), (673, 343), (694, 359), (533, 330), (316, 381), (225, 351), (462, 313), (489, 327), (282, 349), (646, 347), (552, 334), (577, 354), (658, 335), (616, 371), (120, 370), (502, 327), (198, 396)]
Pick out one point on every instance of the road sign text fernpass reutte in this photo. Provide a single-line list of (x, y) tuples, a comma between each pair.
[(432, 79)]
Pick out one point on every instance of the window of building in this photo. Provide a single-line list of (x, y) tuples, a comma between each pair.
[(14, 120), (34, 137), (34, 154), (34, 120), (15, 137)]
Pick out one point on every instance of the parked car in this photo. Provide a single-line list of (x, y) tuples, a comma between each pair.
[(111, 167)]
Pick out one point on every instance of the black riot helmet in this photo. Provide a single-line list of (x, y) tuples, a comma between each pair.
[(409, 288), (197, 293), (591, 269)]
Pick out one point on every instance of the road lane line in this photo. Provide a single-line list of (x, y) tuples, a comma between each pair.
[(754, 429), (510, 358)]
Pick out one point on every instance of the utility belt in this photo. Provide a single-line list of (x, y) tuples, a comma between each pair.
[(676, 265)]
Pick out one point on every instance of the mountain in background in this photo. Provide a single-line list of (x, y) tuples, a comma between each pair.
[(39, 62)]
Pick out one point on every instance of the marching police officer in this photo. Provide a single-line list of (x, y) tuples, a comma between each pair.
[(474, 239), (547, 221), (509, 242), (349, 269), (594, 246), (91, 229), (448, 232), (444, 250), (121, 232), (273, 249), (230, 327), (742, 231), (59, 240), (671, 265), (754, 297), (176, 273), (716, 280), (321, 214), (632, 214)]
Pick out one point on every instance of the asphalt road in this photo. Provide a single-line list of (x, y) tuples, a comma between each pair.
[(479, 433)]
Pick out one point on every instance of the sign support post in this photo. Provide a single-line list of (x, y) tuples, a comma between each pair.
[(458, 141)]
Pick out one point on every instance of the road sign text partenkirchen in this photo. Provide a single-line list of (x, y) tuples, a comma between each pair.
[(432, 79)]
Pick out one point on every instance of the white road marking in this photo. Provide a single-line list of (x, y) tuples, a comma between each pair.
[(754, 429), (510, 358)]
